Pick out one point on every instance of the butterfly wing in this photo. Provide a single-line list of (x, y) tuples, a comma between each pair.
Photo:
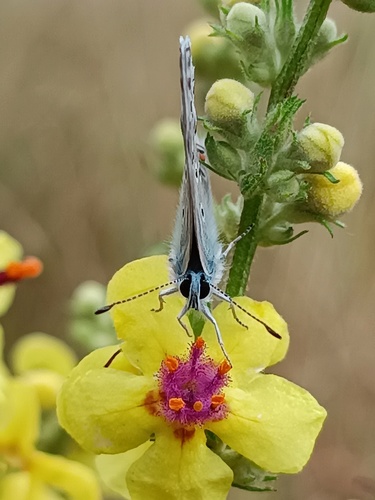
[(197, 176)]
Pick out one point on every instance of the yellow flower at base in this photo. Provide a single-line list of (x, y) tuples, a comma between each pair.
[(170, 388), (330, 199), (27, 472)]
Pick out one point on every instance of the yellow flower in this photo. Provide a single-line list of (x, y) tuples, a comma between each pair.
[(27, 472), (13, 269), (330, 199), (44, 362), (164, 386)]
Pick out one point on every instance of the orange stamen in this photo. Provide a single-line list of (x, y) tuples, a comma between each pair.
[(198, 406), (171, 363), (176, 404), (224, 367), (30, 267), (216, 400), (199, 343)]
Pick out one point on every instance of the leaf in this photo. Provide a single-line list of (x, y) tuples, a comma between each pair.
[(330, 177)]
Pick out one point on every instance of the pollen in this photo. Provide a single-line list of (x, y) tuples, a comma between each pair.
[(30, 267), (217, 400), (176, 404), (199, 343), (198, 406), (171, 363), (224, 367)]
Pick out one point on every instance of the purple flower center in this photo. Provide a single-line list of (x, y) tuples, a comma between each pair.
[(191, 388)]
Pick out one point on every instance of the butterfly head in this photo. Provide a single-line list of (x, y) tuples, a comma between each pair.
[(195, 287)]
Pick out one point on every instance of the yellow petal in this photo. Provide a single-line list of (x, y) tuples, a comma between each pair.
[(47, 384), (41, 351), (104, 409), (250, 350), (7, 293), (24, 486), (73, 478), (148, 335), (273, 422), (175, 470), (114, 468), (20, 426), (10, 249)]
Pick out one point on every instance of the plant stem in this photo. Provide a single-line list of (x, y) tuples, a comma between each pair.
[(245, 248), (284, 86), (295, 65)]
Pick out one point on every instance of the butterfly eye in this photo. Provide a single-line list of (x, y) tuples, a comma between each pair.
[(185, 287), (204, 289)]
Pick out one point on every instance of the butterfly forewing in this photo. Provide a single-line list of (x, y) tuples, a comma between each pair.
[(195, 214)]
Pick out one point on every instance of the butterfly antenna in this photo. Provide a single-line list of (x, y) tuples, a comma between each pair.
[(267, 327), (108, 307)]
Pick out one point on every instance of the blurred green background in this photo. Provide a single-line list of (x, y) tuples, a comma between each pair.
[(81, 85)]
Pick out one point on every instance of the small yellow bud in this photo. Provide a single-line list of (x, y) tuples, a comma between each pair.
[(227, 101), (322, 145), (330, 199)]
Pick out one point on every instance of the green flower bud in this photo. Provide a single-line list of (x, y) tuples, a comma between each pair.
[(211, 6), (227, 103), (249, 26), (283, 186), (228, 216), (332, 200), (320, 145), (87, 297), (361, 5), (224, 159), (214, 57), (168, 147), (278, 234)]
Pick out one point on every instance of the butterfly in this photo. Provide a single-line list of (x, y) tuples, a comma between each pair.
[(197, 258)]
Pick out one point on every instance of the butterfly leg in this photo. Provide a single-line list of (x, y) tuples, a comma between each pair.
[(164, 293), (225, 297), (180, 316), (207, 312), (236, 240)]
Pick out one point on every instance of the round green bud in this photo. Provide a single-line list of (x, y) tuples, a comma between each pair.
[(321, 146), (278, 234), (361, 5), (168, 147), (330, 199), (327, 32), (87, 297), (228, 216), (249, 22), (227, 102)]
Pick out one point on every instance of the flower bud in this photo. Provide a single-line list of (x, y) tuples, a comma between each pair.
[(320, 145), (167, 144), (214, 57), (226, 105), (249, 22), (224, 159), (87, 297), (228, 216), (330, 199), (361, 5), (283, 186), (278, 234)]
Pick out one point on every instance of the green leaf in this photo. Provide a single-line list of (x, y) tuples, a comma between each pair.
[(330, 177)]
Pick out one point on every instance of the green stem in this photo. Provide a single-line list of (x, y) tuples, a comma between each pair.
[(284, 86), (295, 65), (245, 248)]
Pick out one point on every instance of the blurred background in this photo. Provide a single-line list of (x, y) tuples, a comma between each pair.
[(82, 84)]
